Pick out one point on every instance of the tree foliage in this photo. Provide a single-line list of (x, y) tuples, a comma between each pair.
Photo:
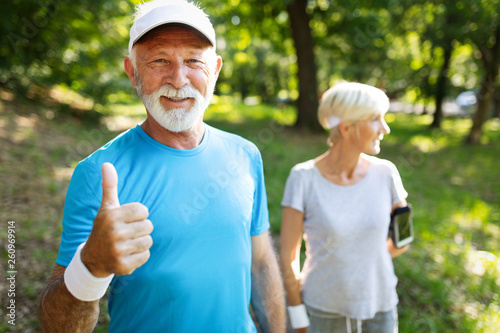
[(78, 44), (419, 51)]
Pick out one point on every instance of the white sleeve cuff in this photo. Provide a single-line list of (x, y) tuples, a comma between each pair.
[(298, 316), (81, 283)]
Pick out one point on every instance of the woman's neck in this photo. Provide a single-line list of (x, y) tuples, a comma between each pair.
[(342, 166)]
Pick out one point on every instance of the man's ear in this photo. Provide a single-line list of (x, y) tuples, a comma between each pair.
[(218, 66), (129, 69)]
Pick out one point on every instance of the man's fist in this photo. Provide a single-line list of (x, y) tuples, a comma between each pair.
[(120, 239)]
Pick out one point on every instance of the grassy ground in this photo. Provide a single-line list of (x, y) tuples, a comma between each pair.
[(448, 282)]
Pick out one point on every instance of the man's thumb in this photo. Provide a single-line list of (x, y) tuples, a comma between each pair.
[(109, 186)]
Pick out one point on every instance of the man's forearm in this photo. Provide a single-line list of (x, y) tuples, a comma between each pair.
[(268, 300), (59, 311)]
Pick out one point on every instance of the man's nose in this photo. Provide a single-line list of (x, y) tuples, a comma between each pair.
[(177, 76)]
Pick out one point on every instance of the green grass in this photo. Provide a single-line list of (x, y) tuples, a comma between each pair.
[(448, 282)]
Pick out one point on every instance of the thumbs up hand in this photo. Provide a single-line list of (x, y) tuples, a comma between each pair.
[(120, 239)]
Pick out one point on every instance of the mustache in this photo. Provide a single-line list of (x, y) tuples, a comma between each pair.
[(169, 91)]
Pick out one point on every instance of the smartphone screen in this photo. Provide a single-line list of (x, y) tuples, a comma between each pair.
[(403, 221), (403, 229)]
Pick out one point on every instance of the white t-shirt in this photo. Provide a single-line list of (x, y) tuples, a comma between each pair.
[(348, 269)]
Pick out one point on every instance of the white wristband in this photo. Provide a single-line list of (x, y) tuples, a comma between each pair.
[(298, 316), (81, 283)]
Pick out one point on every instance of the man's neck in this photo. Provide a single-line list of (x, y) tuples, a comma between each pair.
[(178, 140)]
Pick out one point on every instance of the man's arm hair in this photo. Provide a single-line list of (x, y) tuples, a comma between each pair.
[(60, 311), (268, 299)]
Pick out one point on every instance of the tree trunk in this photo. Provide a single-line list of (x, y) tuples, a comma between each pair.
[(307, 104), (492, 63), (496, 104), (442, 87)]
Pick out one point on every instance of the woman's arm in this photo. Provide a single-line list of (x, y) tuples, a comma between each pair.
[(291, 241)]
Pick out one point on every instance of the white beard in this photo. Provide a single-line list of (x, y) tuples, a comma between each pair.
[(180, 119)]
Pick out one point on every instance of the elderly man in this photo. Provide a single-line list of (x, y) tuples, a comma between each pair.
[(172, 214)]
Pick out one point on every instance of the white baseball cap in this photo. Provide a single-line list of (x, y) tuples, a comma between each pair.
[(158, 12)]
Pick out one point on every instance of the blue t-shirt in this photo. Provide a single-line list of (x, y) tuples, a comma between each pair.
[(205, 204)]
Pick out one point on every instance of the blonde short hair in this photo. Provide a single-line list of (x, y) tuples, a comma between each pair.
[(350, 102)]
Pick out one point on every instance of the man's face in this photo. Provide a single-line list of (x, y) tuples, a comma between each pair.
[(176, 70)]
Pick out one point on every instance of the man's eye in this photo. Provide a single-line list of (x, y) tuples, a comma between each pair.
[(159, 60), (193, 61)]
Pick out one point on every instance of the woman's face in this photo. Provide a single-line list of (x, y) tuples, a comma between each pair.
[(369, 133)]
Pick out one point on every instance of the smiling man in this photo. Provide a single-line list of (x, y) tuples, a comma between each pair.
[(172, 214)]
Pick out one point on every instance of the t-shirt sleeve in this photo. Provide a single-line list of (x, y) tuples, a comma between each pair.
[(80, 208), (260, 213), (398, 191), (294, 192)]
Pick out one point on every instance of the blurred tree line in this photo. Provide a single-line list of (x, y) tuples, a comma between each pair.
[(281, 51)]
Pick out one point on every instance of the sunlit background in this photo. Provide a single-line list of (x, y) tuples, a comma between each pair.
[(63, 93)]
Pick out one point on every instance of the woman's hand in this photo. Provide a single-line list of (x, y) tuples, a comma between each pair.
[(393, 250)]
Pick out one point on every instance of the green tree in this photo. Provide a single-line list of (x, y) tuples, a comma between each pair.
[(307, 104), (486, 37), (432, 30), (443, 32), (275, 38), (79, 44)]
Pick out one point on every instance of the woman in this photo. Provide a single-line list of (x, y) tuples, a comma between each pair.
[(342, 201)]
